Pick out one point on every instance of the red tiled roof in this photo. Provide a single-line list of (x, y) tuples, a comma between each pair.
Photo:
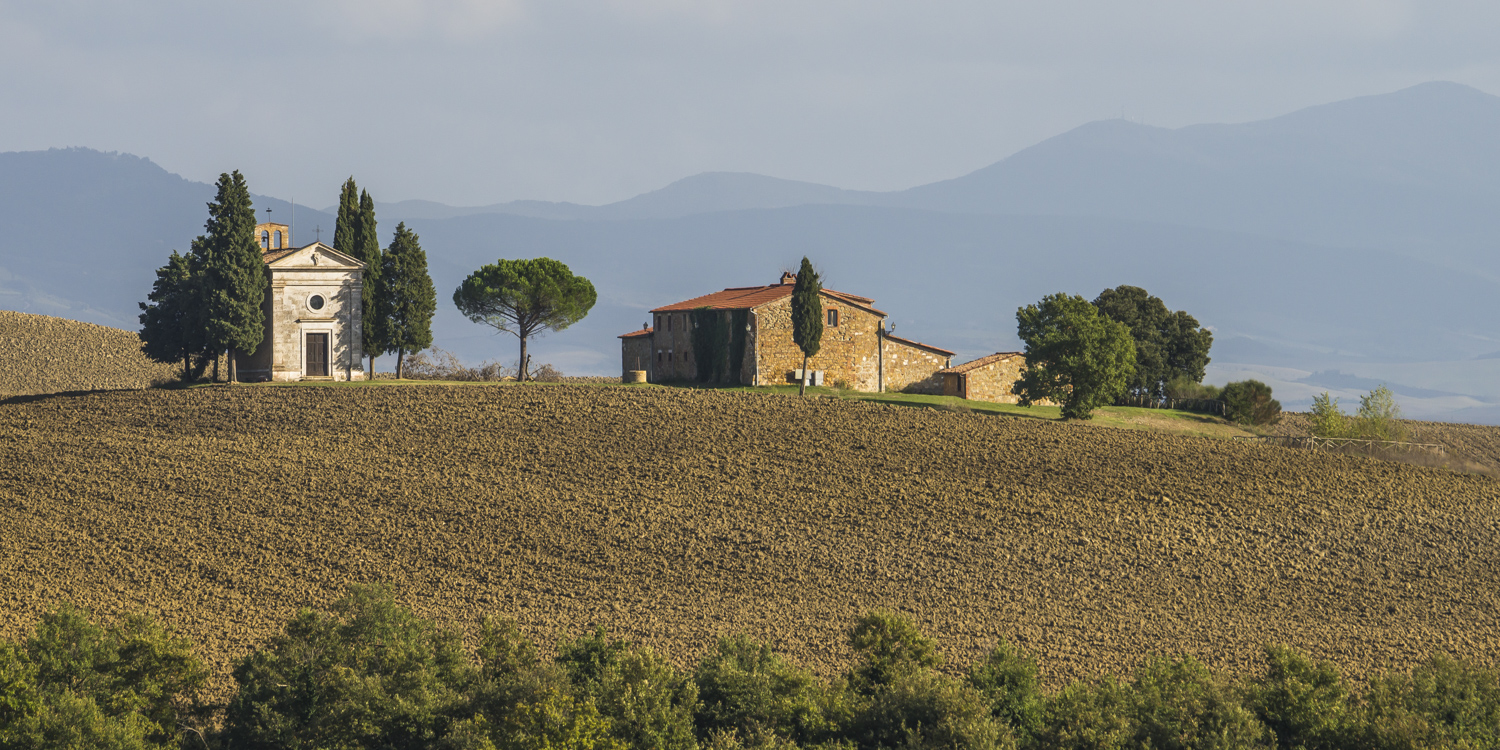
[(271, 256), (747, 297), (919, 345), (981, 362), (636, 334)]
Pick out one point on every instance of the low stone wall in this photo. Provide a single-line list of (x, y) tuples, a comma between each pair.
[(910, 369)]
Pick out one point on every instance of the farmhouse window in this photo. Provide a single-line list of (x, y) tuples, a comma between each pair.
[(833, 318), (669, 322)]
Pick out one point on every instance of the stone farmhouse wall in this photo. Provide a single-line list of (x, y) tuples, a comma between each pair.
[(636, 354), (912, 369), (994, 382), (672, 348), (846, 354)]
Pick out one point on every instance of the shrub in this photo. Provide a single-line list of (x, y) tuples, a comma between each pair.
[(1007, 678), (369, 674), (1305, 705), (1441, 704), (1088, 715), (748, 690), (1250, 402), (650, 706), (888, 646), (1179, 703), (928, 710), (1184, 387)]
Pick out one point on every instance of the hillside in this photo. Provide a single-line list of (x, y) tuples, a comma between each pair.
[(674, 515), (41, 354)]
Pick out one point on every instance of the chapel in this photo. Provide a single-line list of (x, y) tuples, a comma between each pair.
[(312, 311)]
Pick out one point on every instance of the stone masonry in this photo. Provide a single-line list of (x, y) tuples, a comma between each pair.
[(314, 296)]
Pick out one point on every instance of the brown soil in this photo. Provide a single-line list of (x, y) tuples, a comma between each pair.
[(674, 515), (41, 354)]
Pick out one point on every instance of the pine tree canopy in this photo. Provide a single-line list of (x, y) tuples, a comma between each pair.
[(525, 298), (807, 310), (408, 299)]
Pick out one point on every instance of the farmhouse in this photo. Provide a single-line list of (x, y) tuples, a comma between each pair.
[(743, 335), (312, 312), (991, 378)]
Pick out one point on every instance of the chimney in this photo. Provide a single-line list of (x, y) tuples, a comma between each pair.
[(787, 277)]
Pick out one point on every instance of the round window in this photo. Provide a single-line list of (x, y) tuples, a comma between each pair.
[(315, 302)]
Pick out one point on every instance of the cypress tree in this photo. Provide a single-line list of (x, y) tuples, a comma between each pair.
[(367, 249), (807, 316), (407, 300), (346, 229), (234, 273)]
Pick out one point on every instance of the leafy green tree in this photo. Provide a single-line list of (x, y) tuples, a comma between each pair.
[(888, 646), (408, 299), (1442, 703), (234, 273), (525, 298), (649, 705), (1167, 344), (1327, 419), (520, 702), (368, 674), (807, 316), (373, 333), (1379, 416), (1074, 355), (747, 689), (1250, 402), (1089, 716), (75, 683), (172, 326), (1007, 678), (1305, 705)]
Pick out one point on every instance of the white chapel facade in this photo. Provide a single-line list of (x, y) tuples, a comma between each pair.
[(312, 311)]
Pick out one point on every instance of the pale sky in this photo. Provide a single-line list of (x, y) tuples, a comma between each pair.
[(471, 102)]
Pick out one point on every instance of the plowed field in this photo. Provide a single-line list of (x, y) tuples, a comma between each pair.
[(42, 354), (675, 515)]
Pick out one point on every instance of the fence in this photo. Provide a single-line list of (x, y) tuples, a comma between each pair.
[(1360, 444), (1200, 405)]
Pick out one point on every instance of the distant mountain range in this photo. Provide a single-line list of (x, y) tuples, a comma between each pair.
[(1329, 248)]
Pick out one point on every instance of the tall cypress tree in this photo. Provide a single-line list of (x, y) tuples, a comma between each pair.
[(234, 273), (807, 316), (346, 229), (367, 249), (407, 299)]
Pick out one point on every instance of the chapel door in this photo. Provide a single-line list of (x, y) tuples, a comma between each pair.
[(317, 355)]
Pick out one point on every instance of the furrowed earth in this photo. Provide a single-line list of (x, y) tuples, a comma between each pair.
[(43, 354), (672, 516)]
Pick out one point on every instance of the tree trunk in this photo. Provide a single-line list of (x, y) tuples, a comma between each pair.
[(521, 369), (802, 387), (400, 363), (370, 373), (216, 366), (234, 374), (187, 367)]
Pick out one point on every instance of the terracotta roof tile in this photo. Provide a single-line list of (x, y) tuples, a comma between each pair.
[(981, 362), (271, 256), (747, 297), (636, 334), (919, 345)]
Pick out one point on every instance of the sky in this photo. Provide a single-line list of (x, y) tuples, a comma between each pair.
[(472, 102)]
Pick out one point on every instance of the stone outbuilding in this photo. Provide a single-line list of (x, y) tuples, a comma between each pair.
[(991, 378), (312, 311), (746, 335)]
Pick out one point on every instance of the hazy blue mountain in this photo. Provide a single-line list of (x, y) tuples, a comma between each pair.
[(702, 193), (1408, 169)]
